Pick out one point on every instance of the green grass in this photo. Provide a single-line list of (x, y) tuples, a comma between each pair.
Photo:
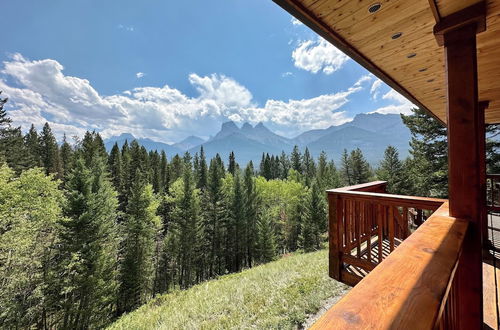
[(277, 295)]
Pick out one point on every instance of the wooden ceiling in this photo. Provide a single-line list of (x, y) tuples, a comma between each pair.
[(367, 38)]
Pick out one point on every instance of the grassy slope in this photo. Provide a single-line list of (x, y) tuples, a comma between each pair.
[(279, 294)]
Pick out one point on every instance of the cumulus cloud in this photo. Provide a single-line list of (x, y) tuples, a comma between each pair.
[(319, 55), (39, 91), (139, 75), (402, 105), (374, 90)]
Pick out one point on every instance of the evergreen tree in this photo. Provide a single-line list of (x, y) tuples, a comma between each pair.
[(32, 142), (266, 244), (213, 218), (66, 156), (309, 168), (88, 248), (49, 151), (315, 221), (296, 159), (164, 174), (360, 169), (284, 165), (140, 230), (429, 150), (202, 175), (232, 163), (115, 167), (236, 225), (347, 176), (250, 207), (391, 170)]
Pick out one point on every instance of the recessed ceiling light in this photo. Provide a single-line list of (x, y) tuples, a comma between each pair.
[(396, 35), (422, 70), (411, 55), (374, 7)]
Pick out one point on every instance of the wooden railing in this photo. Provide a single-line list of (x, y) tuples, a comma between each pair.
[(366, 225), (415, 287)]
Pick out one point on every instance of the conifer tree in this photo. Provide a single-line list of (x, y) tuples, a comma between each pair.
[(32, 142), (266, 240), (49, 150), (140, 230), (296, 159), (89, 247), (164, 174), (115, 167), (347, 176), (202, 179), (232, 163), (236, 225), (213, 220), (250, 207), (284, 165), (360, 169), (186, 217), (66, 156), (309, 168), (391, 170), (314, 222), (429, 150)]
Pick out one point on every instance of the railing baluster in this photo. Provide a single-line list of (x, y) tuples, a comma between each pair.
[(357, 217), (369, 217), (391, 227), (406, 222), (380, 222)]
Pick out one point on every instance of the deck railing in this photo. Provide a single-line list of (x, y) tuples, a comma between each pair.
[(415, 287), (366, 225)]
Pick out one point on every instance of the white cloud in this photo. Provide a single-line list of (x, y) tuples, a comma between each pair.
[(139, 75), (126, 28), (286, 74), (296, 21), (319, 55), (374, 91), (42, 92), (402, 105)]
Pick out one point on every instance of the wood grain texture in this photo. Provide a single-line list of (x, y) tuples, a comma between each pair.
[(405, 291)]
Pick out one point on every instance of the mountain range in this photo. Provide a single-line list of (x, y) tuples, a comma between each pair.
[(372, 133)]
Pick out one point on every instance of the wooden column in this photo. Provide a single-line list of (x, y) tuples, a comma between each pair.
[(482, 106), (465, 131)]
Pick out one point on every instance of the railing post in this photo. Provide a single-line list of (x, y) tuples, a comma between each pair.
[(333, 235)]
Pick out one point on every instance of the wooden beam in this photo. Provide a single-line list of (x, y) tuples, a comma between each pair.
[(435, 10), (473, 15), (464, 164)]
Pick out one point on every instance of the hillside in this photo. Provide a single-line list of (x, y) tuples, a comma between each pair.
[(280, 294)]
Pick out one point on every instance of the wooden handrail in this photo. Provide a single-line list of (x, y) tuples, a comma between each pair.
[(420, 202), (410, 289)]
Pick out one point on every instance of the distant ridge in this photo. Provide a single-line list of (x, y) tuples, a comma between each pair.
[(372, 133)]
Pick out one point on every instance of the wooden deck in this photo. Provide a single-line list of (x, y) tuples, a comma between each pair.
[(491, 275)]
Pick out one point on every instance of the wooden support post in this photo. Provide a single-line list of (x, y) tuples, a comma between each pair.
[(333, 236), (482, 106), (464, 157)]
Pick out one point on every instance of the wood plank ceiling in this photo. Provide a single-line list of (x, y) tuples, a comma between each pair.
[(413, 64)]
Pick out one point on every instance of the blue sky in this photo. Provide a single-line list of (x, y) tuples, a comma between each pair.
[(166, 70)]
